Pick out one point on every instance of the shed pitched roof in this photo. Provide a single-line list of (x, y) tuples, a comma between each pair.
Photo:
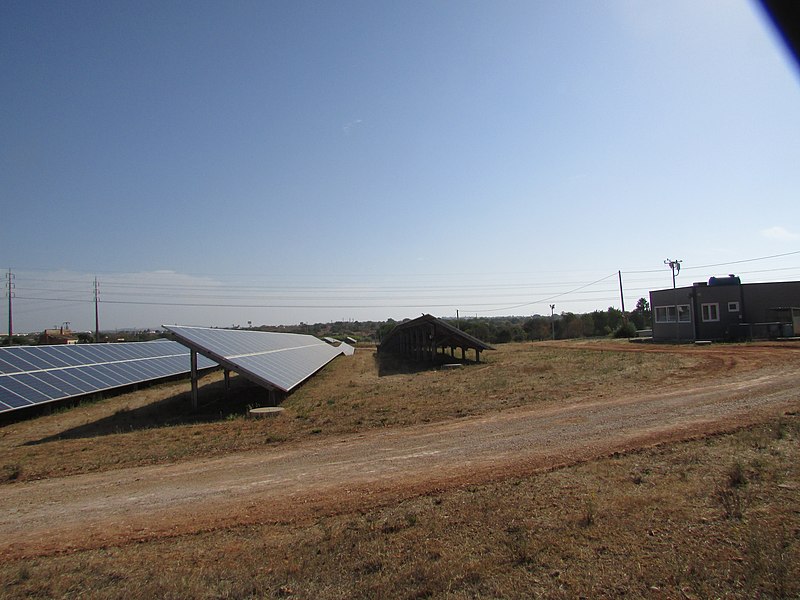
[(445, 334)]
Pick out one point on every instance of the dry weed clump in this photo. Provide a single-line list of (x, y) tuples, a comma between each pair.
[(589, 513), (732, 502), (10, 473), (736, 475)]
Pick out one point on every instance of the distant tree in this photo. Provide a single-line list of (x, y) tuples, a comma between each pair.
[(641, 316), (480, 329), (615, 319), (386, 328), (571, 326), (503, 335), (19, 340), (537, 328), (593, 323)]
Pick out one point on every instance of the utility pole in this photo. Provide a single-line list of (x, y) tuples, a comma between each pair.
[(675, 265), (458, 321), (553, 319), (622, 297), (96, 312), (10, 294)]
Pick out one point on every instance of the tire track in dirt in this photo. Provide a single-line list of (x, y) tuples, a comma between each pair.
[(298, 480)]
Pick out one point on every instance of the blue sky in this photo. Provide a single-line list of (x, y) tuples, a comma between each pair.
[(214, 163)]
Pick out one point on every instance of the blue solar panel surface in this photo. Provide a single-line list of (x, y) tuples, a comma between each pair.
[(32, 375), (277, 360)]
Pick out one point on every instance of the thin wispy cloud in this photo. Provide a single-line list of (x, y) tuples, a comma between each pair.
[(349, 126), (780, 233)]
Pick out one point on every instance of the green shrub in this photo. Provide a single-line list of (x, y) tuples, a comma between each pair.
[(626, 330)]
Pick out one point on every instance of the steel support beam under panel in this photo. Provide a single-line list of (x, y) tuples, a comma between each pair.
[(193, 359), (227, 380), (273, 397)]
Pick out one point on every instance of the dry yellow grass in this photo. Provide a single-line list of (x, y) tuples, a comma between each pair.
[(645, 525), (156, 425)]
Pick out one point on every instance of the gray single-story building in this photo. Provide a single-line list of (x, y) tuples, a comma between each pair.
[(724, 308)]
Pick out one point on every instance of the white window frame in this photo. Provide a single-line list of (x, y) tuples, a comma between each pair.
[(733, 307), (664, 315), (684, 313), (710, 312), (672, 314)]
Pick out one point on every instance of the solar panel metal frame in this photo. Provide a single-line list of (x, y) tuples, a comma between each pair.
[(36, 375), (276, 361)]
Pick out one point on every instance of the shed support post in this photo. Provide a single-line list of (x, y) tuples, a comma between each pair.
[(477, 355), (193, 361)]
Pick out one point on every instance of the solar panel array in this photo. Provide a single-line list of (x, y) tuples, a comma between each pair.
[(274, 360), (32, 375)]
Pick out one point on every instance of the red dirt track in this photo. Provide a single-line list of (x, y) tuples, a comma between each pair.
[(297, 481)]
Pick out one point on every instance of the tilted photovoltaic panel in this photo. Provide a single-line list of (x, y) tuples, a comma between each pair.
[(274, 360), (32, 375)]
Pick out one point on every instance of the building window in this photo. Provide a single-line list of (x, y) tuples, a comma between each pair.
[(667, 314), (733, 307), (684, 315), (710, 312)]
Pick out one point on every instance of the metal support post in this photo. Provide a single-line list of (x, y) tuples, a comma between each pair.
[(193, 359)]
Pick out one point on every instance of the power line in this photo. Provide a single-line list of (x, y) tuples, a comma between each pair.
[(738, 262), (551, 297), (302, 296), (397, 275)]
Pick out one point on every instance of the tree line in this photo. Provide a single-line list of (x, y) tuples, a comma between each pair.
[(493, 330), (599, 323)]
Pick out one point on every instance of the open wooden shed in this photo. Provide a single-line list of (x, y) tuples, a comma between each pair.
[(426, 338)]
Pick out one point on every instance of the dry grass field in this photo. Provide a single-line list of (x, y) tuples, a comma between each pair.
[(155, 425), (716, 514)]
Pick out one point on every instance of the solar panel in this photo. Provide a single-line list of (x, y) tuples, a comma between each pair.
[(346, 349), (275, 360), (32, 375)]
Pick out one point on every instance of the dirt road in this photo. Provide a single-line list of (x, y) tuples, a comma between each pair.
[(298, 481)]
